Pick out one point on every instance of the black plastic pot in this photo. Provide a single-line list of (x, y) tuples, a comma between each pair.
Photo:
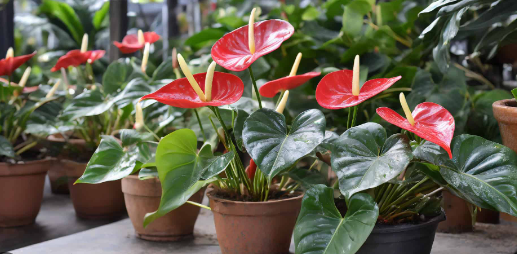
[(407, 239)]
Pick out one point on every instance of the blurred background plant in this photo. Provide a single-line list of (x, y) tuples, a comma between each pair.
[(457, 53)]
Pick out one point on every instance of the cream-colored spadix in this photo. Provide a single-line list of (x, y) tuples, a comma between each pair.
[(407, 111), (141, 38), (145, 58), (25, 77), (10, 53), (139, 116), (190, 78), (84, 44), (281, 106), (53, 90), (251, 32), (296, 64), (355, 77), (208, 81)]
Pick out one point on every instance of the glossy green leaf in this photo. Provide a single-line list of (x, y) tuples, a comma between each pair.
[(164, 71), (147, 173), (131, 136), (205, 36), (101, 15), (273, 146), (514, 92), (134, 90), (363, 158), (89, 103), (111, 162), (238, 126), (6, 148), (441, 53), (485, 173), (65, 14), (306, 177), (353, 17), (116, 76), (180, 168), (320, 229)]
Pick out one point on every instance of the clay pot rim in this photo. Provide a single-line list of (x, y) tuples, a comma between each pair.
[(9, 169), (222, 200), (75, 141), (409, 227), (73, 169), (506, 104)]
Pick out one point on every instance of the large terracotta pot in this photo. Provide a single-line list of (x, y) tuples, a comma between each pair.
[(254, 227), (505, 112), (21, 191), (458, 219), (93, 201), (143, 196), (66, 149)]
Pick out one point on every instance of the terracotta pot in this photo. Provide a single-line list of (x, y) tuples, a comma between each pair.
[(505, 112), (143, 196), (487, 216), (459, 219), (21, 191), (93, 201), (57, 178), (254, 227)]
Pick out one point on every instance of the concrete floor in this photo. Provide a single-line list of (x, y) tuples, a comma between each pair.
[(119, 237), (56, 219)]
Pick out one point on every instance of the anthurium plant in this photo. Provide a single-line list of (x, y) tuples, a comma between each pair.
[(18, 106)]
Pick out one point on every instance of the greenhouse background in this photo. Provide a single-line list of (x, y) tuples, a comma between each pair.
[(258, 126)]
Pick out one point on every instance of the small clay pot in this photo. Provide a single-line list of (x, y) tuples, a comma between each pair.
[(21, 191), (487, 216), (254, 227), (505, 112), (143, 196), (93, 201), (458, 219), (57, 178)]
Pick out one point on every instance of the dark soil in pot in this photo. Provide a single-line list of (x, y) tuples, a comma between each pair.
[(143, 196), (404, 238), (254, 227), (21, 188), (94, 201)]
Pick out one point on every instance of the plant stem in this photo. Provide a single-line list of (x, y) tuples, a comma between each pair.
[(256, 88), (27, 147), (198, 204), (200, 125), (152, 132), (354, 116)]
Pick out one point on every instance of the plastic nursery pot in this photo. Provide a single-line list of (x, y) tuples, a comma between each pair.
[(404, 238), (57, 173), (254, 227), (21, 191), (505, 112), (93, 201), (143, 196), (459, 219)]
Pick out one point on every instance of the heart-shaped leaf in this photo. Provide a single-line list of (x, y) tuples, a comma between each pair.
[(89, 103), (275, 148), (483, 172), (363, 158), (131, 137), (181, 168), (6, 148), (320, 229), (238, 126), (110, 162), (116, 76)]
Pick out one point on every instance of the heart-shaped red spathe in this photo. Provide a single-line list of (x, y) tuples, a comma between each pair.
[(9, 65), (335, 89), (130, 42), (233, 53), (271, 88), (226, 89), (76, 58), (432, 122)]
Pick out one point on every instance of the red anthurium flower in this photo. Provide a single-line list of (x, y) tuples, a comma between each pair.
[(432, 122), (250, 170), (335, 89), (271, 88), (130, 43), (226, 89), (233, 52), (10, 64), (76, 58)]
